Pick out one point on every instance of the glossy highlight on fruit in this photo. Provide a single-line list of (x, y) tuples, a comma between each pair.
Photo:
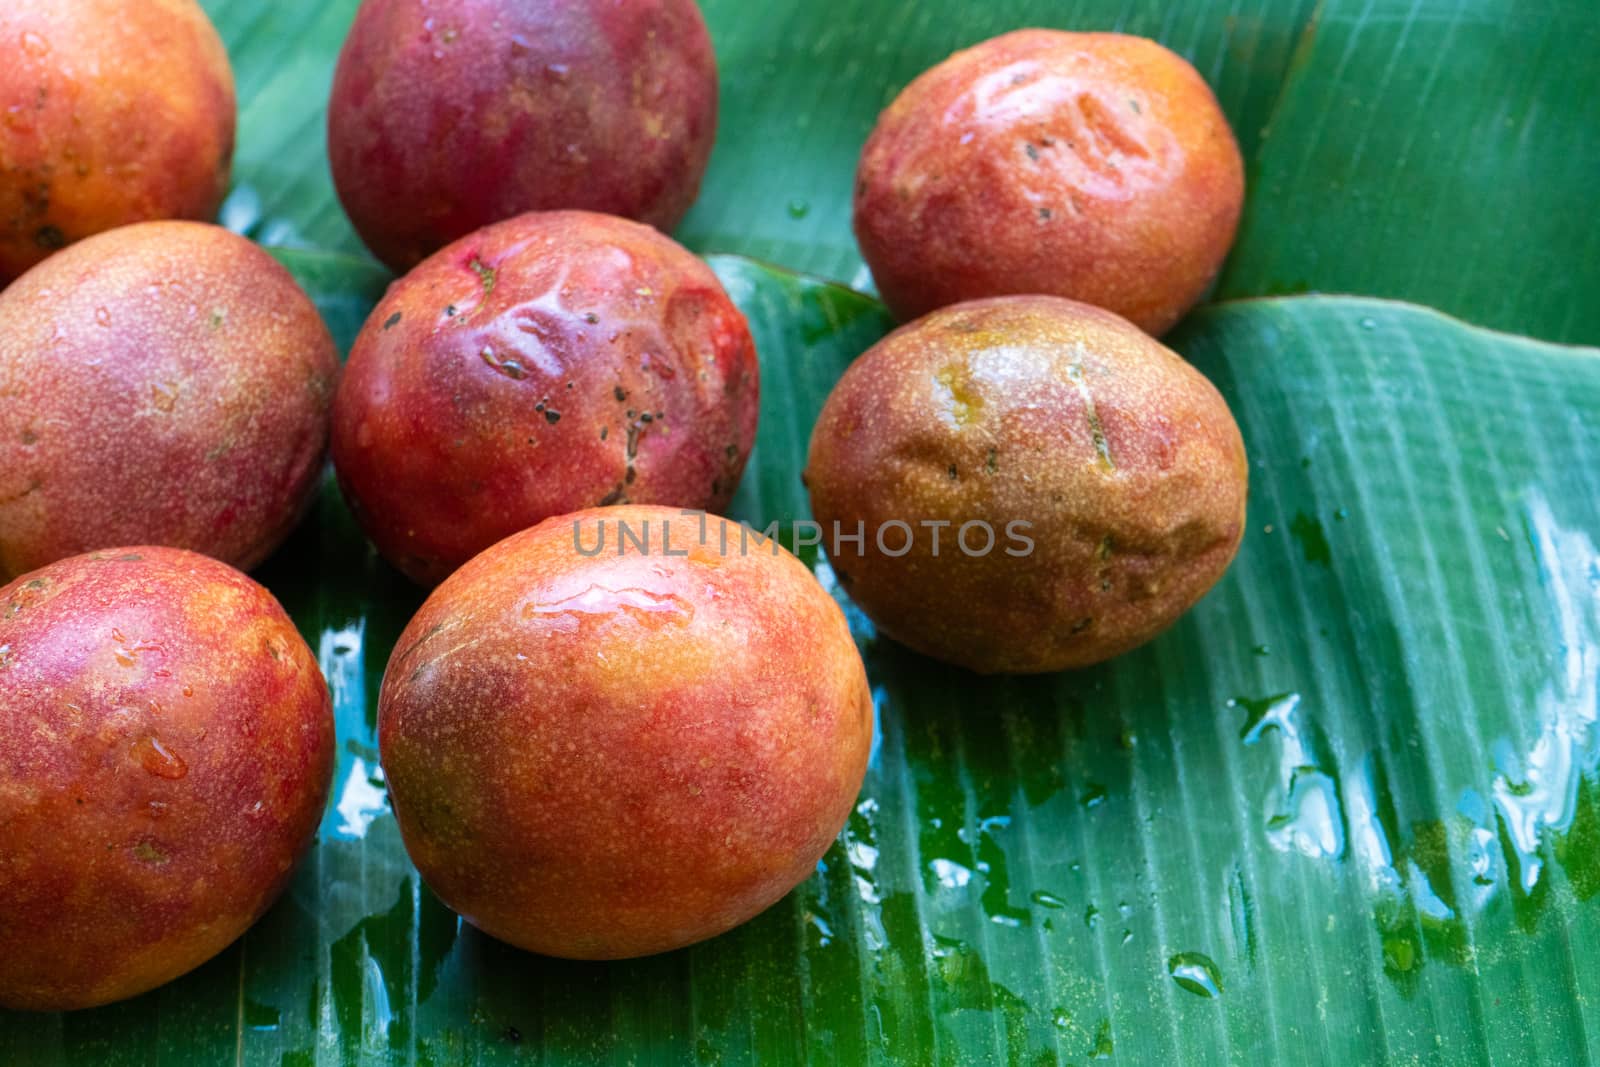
[(166, 746), (450, 115), (623, 731), (111, 112), (553, 362), (1095, 166), (1068, 486), (164, 383)]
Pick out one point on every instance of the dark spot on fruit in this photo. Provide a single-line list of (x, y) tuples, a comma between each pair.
[(646, 417), (29, 437), (630, 476), (591, 318), (1082, 625), (716, 487), (50, 237), (952, 472), (991, 464), (1032, 150), (552, 416), (1044, 214), (513, 1035), (450, 311), (392, 321), (731, 451), (604, 432), (620, 394)]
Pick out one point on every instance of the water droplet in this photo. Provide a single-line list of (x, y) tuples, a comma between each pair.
[(156, 758), (1262, 650), (1369, 324), (950, 874), (1046, 899), (1196, 973), (1094, 794), (362, 799), (1091, 916), (1311, 822), (799, 209)]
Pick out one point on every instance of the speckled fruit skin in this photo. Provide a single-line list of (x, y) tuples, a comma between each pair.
[(553, 362), (1123, 457), (1095, 166), (166, 746), (450, 115), (111, 112), (606, 756), (164, 383)]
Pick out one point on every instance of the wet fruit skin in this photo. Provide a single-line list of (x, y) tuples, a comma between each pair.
[(451, 115), (166, 748), (607, 756), (1095, 166), (111, 112), (1123, 458), (164, 383), (550, 363)]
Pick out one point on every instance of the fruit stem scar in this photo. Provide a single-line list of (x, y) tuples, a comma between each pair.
[(1096, 430)]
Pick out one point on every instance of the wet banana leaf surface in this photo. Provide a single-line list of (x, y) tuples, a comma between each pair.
[(1344, 812)]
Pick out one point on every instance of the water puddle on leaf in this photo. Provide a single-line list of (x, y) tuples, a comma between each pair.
[(1532, 810), (1538, 791)]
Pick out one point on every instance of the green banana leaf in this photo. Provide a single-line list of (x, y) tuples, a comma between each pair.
[(1345, 812)]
